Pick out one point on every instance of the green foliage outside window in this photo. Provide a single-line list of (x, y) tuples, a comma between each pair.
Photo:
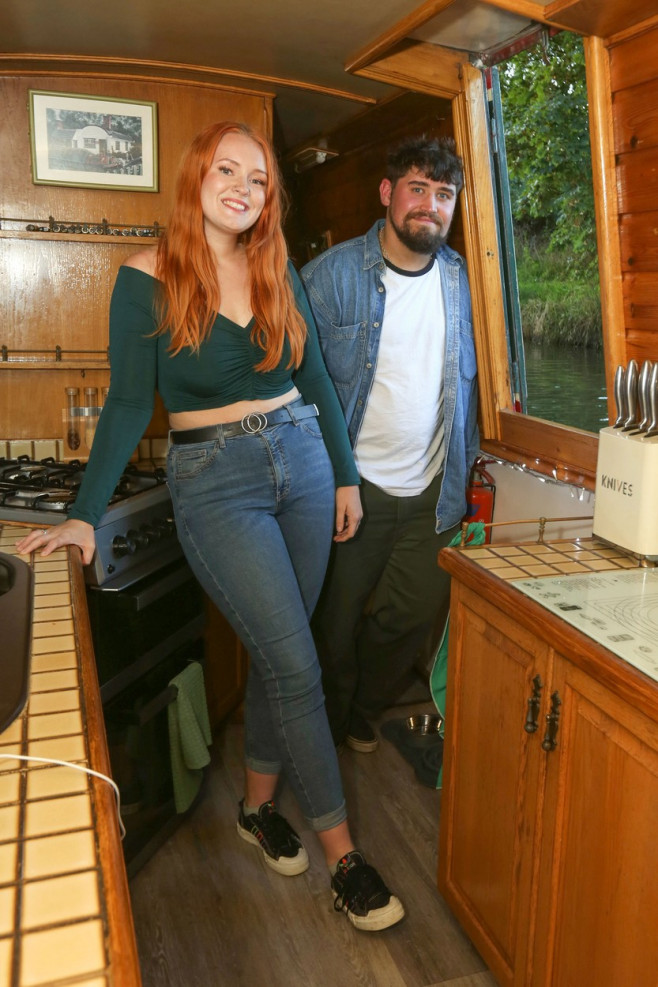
[(544, 96)]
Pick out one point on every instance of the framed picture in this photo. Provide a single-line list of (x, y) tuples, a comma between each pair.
[(93, 142)]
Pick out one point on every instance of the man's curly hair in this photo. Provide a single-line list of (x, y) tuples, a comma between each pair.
[(434, 157)]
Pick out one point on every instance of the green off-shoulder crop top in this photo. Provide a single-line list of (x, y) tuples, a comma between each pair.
[(221, 373)]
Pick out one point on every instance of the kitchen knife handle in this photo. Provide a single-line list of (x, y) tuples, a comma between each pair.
[(653, 403), (643, 395), (631, 395), (620, 396)]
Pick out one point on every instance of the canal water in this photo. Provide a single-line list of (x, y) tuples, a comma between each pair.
[(567, 385)]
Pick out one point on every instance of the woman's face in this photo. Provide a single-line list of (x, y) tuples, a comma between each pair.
[(233, 190)]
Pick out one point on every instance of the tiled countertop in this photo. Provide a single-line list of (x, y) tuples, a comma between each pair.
[(557, 558), (600, 591), (64, 913)]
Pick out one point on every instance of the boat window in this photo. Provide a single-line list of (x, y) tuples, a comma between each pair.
[(544, 199)]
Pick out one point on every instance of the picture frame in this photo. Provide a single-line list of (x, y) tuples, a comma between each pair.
[(98, 142)]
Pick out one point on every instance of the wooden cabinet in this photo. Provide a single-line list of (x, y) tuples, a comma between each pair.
[(548, 837)]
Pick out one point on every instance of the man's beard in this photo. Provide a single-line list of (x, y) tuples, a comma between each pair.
[(422, 239)]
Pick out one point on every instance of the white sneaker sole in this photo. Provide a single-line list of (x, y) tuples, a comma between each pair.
[(379, 918), (288, 866), (362, 746)]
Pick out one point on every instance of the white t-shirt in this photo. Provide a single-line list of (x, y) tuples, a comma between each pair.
[(400, 446)]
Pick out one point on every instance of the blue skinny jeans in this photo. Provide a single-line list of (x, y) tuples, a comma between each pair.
[(254, 515)]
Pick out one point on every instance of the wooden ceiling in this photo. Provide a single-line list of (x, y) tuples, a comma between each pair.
[(303, 53)]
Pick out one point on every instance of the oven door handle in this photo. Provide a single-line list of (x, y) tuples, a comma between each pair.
[(151, 594), (140, 717)]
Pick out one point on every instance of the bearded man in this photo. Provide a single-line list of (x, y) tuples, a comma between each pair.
[(393, 313)]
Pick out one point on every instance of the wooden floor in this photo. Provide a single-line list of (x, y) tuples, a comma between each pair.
[(208, 911)]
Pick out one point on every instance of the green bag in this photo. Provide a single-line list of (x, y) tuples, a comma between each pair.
[(475, 535)]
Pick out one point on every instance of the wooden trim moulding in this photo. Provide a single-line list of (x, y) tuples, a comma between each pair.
[(122, 945), (564, 453), (568, 454), (155, 71), (606, 204), (399, 31), (421, 68), (442, 72), (471, 128), (632, 32), (530, 9)]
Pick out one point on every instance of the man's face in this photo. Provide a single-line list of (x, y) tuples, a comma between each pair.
[(420, 210)]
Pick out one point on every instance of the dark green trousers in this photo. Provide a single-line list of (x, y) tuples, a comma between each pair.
[(382, 597)]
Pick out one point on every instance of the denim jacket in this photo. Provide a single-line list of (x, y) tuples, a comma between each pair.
[(347, 296)]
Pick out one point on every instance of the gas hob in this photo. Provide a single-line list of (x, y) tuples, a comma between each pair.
[(135, 536)]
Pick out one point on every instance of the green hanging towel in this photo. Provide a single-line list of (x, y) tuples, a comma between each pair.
[(189, 734), (475, 535)]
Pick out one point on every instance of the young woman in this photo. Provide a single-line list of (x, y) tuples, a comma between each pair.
[(215, 318)]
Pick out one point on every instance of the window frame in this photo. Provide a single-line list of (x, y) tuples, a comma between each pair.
[(555, 450)]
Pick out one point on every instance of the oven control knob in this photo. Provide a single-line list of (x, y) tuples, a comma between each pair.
[(123, 545), (165, 526), (151, 532), (139, 539)]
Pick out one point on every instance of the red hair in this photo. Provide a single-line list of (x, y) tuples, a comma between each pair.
[(190, 298)]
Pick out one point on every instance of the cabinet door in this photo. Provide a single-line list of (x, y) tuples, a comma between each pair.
[(493, 773), (598, 907)]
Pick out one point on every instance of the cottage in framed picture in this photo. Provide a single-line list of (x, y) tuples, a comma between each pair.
[(90, 141)]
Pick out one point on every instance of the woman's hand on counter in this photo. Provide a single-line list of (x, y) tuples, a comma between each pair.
[(71, 532), (348, 512)]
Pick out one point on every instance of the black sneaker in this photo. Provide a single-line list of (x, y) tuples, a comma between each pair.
[(360, 736), (282, 848), (360, 892)]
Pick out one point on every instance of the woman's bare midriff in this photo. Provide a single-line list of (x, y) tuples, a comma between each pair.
[(229, 413)]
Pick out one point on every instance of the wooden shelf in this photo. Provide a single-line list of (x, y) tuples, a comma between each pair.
[(78, 237), (77, 363)]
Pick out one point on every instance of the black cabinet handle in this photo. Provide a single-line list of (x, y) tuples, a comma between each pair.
[(549, 743), (532, 716)]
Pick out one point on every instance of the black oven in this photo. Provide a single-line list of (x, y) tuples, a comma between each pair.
[(144, 634)]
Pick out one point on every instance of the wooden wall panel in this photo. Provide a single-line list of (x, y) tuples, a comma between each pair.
[(56, 292), (633, 62), (643, 345), (637, 180), (641, 302), (639, 242), (342, 196), (32, 399), (634, 89), (183, 110), (635, 115)]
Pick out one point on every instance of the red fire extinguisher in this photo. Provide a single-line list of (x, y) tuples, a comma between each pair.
[(480, 495)]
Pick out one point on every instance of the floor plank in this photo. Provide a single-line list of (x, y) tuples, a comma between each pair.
[(209, 912)]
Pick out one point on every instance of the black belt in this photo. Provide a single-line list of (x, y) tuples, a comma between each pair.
[(251, 424)]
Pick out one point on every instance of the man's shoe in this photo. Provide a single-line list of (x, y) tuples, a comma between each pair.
[(360, 892), (281, 846), (360, 736)]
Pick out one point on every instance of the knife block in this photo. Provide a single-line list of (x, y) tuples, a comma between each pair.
[(625, 508)]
